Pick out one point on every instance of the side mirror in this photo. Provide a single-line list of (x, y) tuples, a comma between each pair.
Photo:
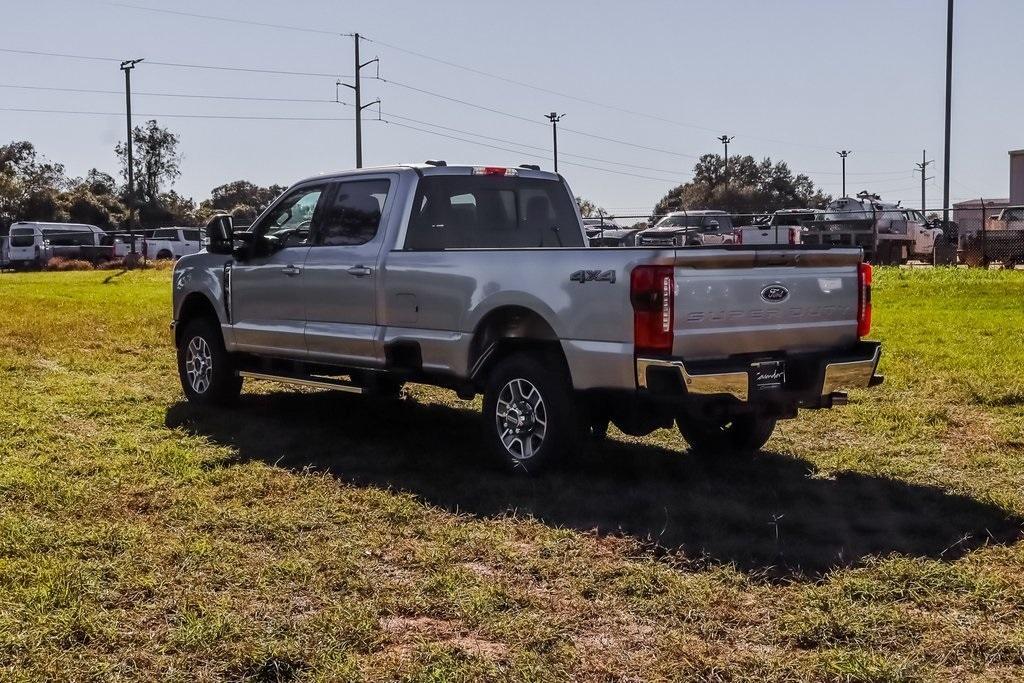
[(220, 231)]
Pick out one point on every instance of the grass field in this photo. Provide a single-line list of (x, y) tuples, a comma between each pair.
[(309, 536)]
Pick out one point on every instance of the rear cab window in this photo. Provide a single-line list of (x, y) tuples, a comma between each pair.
[(489, 212)]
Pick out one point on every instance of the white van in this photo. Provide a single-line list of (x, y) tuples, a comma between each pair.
[(32, 244)]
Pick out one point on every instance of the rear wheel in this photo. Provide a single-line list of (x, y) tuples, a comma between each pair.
[(164, 254), (205, 367), (733, 436), (530, 417)]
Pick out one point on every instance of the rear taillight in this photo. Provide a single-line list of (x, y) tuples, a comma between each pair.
[(792, 235), (652, 290), (739, 237), (864, 300)]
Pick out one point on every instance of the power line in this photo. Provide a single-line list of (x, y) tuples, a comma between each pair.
[(179, 116), (546, 150), (232, 20), (178, 65), (327, 101), (584, 100), (181, 95), (517, 151), (481, 107)]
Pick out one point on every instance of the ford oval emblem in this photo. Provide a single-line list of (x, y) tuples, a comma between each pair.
[(773, 294)]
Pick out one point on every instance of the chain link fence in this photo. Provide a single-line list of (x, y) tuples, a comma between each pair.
[(979, 235)]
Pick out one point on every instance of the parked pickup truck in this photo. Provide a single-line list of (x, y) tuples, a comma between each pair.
[(785, 226), (689, 229), (172, 243), (479, 279)]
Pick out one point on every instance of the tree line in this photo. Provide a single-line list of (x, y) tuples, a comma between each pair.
[(35, 188)]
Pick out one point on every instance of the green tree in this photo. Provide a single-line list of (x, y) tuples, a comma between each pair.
[(589, 209), (755, 187), (243, 199), (157, 161), (30, 186)]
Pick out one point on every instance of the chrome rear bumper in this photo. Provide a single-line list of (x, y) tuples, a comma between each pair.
[(822, 378), (732, 383)]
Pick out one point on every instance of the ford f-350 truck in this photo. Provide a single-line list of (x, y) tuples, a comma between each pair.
[(479, 279)]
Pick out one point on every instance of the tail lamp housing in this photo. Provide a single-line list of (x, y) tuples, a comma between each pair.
[(652, 293), (863, 299)]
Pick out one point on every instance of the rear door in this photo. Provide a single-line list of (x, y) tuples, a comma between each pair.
[(267, 307), (341, 273)]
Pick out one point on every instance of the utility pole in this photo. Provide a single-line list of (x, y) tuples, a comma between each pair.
[(126, 67), (357, 88), (844, 153), (921, 169), (725, 140), (949, 99), (554, 118)]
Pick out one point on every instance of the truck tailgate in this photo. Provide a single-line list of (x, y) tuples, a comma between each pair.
[(764, 301)]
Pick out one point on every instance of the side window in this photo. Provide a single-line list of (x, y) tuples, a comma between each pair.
[(192, 235), (292, 218), (353, 213)]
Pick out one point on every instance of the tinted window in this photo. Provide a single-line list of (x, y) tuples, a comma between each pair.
[(353, 214), (64, 237), (192, 235), (165, 234), (452, 212), (678, 222), (724, 222), (22, 237)]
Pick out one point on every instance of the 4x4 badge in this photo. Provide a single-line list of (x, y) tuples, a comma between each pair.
[(582, 276)]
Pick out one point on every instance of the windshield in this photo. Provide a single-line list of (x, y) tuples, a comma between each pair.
[(22, 237), (678, 222)]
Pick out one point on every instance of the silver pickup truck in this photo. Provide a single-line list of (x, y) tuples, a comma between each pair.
[(479, 279)]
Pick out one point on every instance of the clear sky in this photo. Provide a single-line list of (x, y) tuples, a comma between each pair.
[(790, 79)]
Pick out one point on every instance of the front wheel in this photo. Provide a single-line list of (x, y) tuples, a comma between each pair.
[(529, 413), (740, 435), (205, 367)]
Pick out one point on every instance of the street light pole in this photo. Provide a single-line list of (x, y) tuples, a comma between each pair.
[(554, 118), (725, 140), (126, 67), (844, 153), (949, 99)]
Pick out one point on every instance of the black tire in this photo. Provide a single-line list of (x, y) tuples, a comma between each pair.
[(214, 381), (522, 391), (741, 436), (164, 255)]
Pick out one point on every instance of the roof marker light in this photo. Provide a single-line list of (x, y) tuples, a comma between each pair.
[(494, 170)]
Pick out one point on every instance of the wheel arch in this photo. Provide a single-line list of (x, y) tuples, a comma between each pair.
[(195, 305), (507, 329)]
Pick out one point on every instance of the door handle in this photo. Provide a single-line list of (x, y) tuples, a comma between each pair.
[(360, 271), (291, 270)]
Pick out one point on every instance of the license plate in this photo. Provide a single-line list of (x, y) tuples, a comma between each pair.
[(768, 375)]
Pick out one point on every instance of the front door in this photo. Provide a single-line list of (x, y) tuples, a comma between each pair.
[(267, 310), (341, 274)]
